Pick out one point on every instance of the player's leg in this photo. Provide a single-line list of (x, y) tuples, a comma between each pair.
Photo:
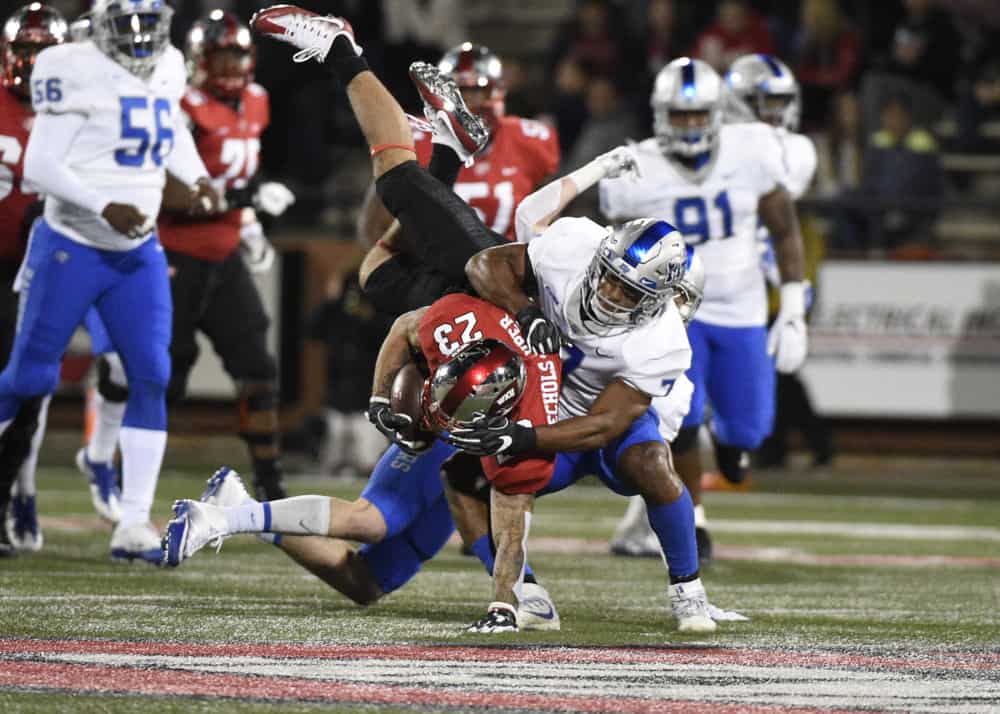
[(741, 387), (336, 563), (234, 320), (96, 459), (19, 447), (137, 313)]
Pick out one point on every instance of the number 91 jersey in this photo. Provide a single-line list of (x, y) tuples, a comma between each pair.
[(521, 154), (717, 215), (122, 148)]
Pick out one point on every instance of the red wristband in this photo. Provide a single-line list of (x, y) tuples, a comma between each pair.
[(379, 148)]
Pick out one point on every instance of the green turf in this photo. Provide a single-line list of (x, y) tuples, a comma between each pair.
[(250, 592)]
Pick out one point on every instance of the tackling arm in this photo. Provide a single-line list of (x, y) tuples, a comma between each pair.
[(395, 352), (616, 408), (498, 276)]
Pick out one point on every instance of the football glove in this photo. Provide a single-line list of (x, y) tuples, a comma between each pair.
[(620, 162), (542, 336), (787, 340), (256, 248), (273, 198), (389, 423), (494, 437)]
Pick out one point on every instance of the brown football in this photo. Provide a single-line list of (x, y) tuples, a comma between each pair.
[(407, 398)]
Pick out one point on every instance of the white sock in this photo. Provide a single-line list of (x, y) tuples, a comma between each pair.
[(142, 457), (26, 474), (107, 428), (299, 515), (699, 517)]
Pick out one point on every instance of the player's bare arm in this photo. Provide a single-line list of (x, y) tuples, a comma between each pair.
[(615, 409), (777, 211), (395, 352), (497, 275)]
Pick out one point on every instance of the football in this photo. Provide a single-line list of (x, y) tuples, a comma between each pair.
[(407, 397)]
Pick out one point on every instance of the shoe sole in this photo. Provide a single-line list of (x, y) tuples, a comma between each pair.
[(175, 537), (462, 116), (698, 626), (154, 556)]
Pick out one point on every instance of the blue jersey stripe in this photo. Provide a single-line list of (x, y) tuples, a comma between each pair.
[(649, 237)]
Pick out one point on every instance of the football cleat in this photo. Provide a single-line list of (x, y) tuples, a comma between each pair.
[(313, 34), (193, 526), (104, 491), (640, 544), (704, 545), (138, 542), (535, 610), (500, 617), (454, 125), (225, 488), (6, 547), (21, 524), (690, 606), (720, 615)]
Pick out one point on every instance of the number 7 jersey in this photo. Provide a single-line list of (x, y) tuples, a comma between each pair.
[(717, 215)]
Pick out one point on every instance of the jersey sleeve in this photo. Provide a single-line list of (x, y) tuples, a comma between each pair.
[(655, 360), (769, 159), (59, 82), (800, 154)]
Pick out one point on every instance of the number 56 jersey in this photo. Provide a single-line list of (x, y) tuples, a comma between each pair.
[(717, 214), (130, 129)]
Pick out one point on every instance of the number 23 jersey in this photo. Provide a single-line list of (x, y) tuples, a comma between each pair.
[(717, 215), (123, 147)]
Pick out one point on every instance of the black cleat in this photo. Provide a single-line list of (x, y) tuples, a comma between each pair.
[(704, 546), (499, 618)]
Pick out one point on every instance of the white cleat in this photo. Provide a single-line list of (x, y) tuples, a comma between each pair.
[(193, 526), (313, 34), (138, 542), (640, 544), (536, 610), (22, 530), (225, 488), (104, 491), (690, 605)]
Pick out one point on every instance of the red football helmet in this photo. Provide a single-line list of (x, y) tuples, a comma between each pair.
[(479, 74), (484, 379), (26, 33), (221, 55)]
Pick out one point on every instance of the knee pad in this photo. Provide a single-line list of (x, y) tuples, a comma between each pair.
[(111, 382), (686, 439), (464, 474), (733, 462)]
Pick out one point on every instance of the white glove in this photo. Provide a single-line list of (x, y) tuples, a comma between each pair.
[(273, 198), (787, 341), (256, 248), (620, 162)]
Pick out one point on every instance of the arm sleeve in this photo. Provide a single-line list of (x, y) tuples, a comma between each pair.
[(184, 161), (801, 165), (44, 161), (536, 206), (612, 199)]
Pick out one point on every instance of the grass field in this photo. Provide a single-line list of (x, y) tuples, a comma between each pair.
[(872, 586)]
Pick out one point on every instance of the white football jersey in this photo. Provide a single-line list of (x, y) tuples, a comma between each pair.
[(800, 159), (650, 357), (122, 148), (717, 215)]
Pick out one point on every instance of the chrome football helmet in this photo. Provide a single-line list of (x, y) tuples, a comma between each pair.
[(225, 77), (484, 379), (691, 288), (134, 33), (687, 88), (762, 88), (634, 273), (27, 32)]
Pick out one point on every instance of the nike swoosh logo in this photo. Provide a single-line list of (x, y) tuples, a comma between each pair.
[(505, 442), (530, 606)]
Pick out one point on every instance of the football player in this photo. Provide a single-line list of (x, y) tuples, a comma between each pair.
[(107, 128), (519, 156), (211, 286), (713, 181), (25, 33)]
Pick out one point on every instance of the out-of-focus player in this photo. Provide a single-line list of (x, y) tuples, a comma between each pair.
[(108, 126), (713, 181), (520, 154), (25, 33), (211, 286)]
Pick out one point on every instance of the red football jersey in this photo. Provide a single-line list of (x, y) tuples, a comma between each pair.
[(458, 319), (15, 126), (522, 154), (229, 143)]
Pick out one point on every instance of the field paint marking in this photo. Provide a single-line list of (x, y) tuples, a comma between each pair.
[(894, 531)]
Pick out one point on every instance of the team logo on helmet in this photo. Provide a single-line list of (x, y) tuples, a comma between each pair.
[(484, 379), (26, 33)]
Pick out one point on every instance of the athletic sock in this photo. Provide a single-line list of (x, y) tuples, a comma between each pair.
[(343, 62), (445, 164), (674, 527), (299, 515), (142, 457), (26, 473), (107, 428)]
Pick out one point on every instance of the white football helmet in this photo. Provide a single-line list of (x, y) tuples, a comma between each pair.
[(647, 258), (134, 33), (762, 88), (684, 87)]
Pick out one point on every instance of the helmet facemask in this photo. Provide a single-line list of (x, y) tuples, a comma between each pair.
[(604, 316), (134, 34)]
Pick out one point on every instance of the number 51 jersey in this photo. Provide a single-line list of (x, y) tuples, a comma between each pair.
[(717, 215), (122, 148)]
